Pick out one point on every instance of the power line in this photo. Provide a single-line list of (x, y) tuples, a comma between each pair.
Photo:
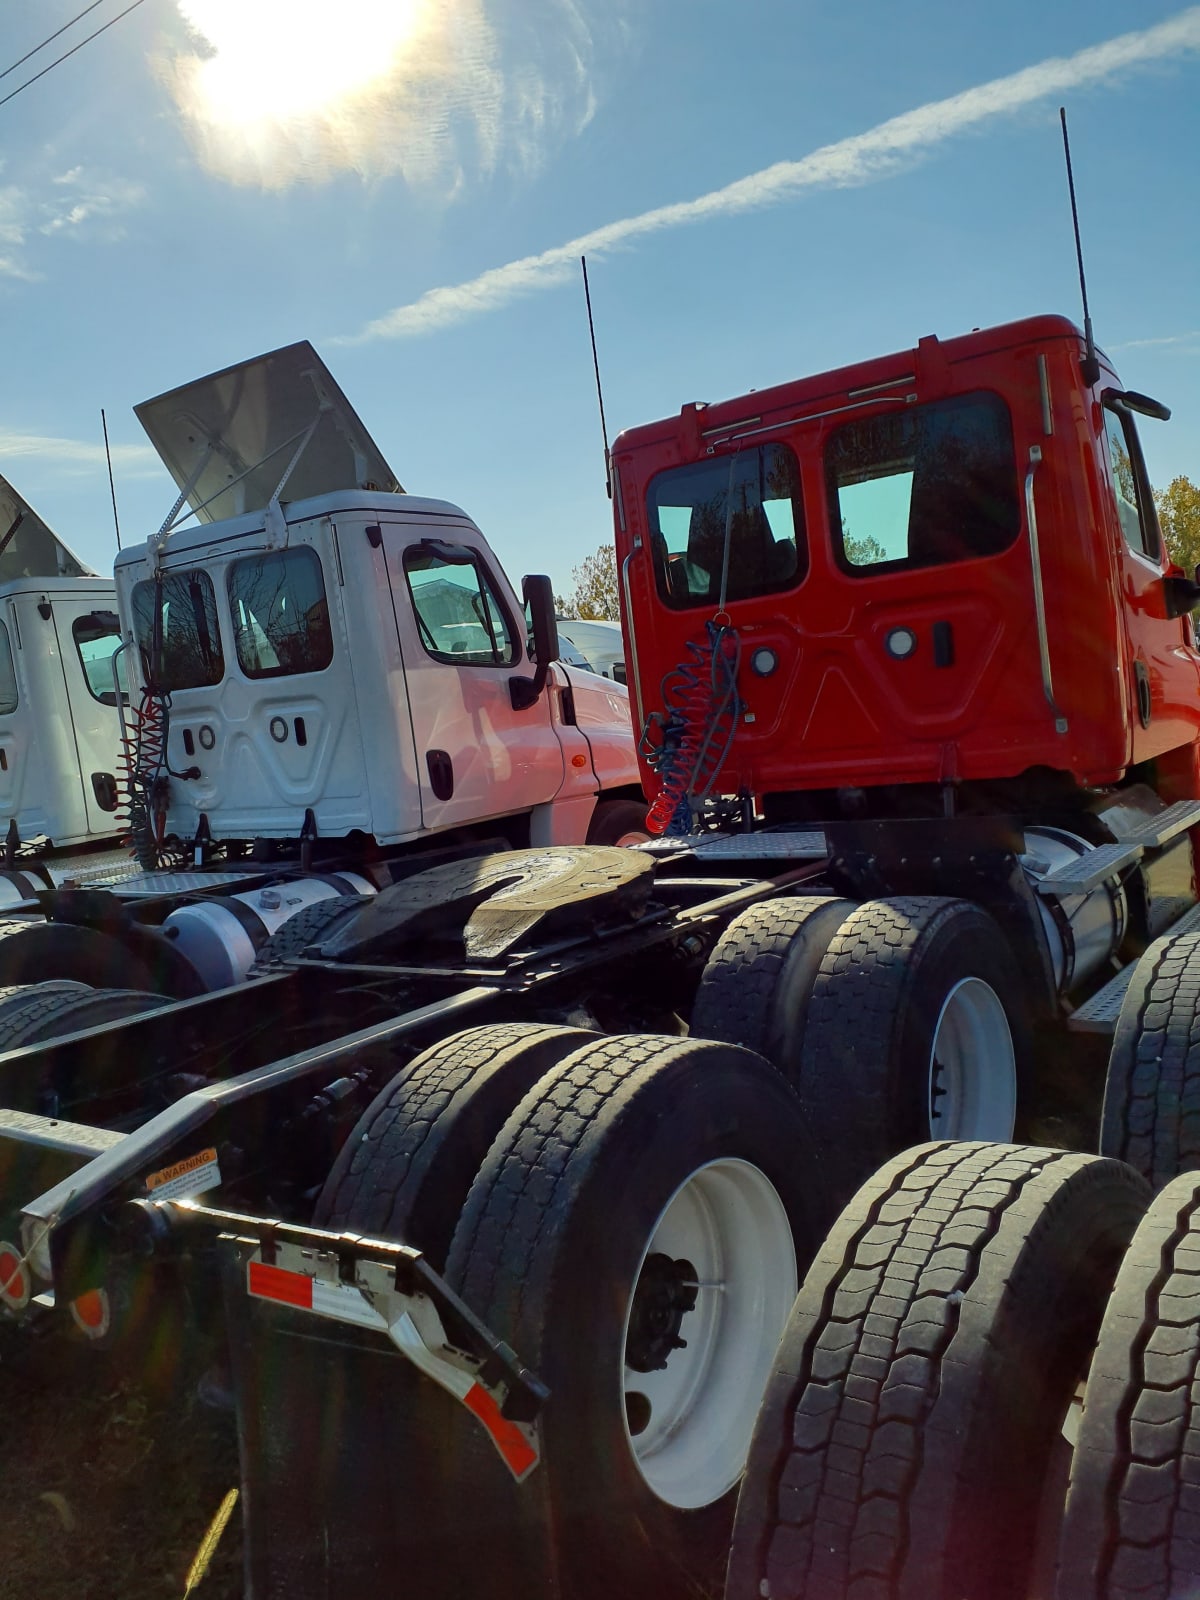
[(51, 38), (13, 93)]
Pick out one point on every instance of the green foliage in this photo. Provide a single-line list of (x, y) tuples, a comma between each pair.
[(1179, 517), (595, 595)]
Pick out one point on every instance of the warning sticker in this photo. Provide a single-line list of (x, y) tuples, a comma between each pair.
[(193, 1175)]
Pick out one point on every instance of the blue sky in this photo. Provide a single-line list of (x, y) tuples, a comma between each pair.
[(763, 190)]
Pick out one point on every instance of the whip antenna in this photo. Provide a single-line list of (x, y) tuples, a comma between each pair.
[(112, 488), (587, 294), (1090, 366)]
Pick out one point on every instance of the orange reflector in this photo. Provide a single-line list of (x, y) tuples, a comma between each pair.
[(91, 1313), (274, 1283), (579, 761), (512, 1444), (14, 1280)]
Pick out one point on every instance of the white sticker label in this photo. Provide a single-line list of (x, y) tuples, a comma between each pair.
[(191, 1176)]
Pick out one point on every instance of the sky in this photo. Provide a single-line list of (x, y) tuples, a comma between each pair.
[(763, 190)]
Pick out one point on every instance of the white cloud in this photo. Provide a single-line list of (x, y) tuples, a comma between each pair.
[(91, 199), (76, 456), (1164, 339), (881, 151), (294, 91), (79, 204)]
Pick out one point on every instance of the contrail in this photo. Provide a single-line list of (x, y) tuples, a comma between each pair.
[(77, 455), (874, 154)]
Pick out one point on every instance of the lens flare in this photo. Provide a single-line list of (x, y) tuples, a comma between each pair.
[(291, 58), (277, 92)]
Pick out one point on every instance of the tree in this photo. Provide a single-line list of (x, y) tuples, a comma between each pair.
[(595, 596), (1179, 517)]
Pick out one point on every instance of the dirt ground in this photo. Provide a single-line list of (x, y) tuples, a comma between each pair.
[(110, 1483)]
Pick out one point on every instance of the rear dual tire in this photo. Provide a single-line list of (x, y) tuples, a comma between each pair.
[(645, 1191), (919, 1391), (897, 1020)]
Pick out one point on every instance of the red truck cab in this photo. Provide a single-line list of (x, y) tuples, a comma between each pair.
[(941, 567)]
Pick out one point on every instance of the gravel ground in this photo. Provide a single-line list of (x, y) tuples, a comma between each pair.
[(110, 1482)]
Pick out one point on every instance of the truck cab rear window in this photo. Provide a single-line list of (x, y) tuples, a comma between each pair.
[(459, 615), (191, 655), (97, 638), (731, 525), (280, 613), (923, 487)]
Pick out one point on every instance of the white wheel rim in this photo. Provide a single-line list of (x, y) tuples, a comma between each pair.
[(972, 1067), (689, 1422), (634, 836)]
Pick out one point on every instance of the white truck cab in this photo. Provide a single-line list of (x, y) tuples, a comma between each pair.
[(60, 733), (337, 650)]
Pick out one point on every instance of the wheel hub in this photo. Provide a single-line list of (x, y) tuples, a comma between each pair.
[(665, 1293)]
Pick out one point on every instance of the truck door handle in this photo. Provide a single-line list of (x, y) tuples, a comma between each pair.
[(441, 773)]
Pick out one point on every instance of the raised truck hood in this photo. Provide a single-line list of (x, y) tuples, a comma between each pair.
[(246, 423), (30, 550)]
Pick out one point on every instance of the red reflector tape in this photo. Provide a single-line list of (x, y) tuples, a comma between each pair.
[(519, 1455), (14, 1281), (273, 1283)]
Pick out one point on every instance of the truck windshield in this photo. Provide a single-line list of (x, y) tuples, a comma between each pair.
[(922, 487), (280, 614), (749, 501), (191, 639), (97, 637)]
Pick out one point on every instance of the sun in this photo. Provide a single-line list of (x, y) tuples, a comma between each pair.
[(278, 60)]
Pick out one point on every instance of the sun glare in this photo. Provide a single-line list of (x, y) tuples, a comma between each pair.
[(274, 60)]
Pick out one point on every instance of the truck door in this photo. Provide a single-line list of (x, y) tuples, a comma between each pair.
[(1163, 673), (88, 632), (462, 642)]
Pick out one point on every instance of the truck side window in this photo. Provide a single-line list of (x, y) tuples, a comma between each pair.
[(191, 638), (1125, 474), (280, 613), (8, 676), (459, 614), (96, 639), (923, 487), (749, 500)]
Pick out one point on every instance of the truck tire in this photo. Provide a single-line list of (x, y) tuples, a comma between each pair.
[(307, 926), (618, 822), (48, 1010), (917, 1029), (924, 1376), (634, 1234), (1151, 1115), (755, 987), (1131, 1525), (406, 1169), (49, 950)]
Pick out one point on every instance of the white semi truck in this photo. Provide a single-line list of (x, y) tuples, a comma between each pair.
[(60, 734), (330, 678)]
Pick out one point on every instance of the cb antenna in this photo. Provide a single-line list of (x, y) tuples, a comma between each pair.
[(112, 488), (587, 294), (1089, 366)]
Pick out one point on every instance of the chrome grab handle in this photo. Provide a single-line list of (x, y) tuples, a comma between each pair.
[(636, 679), (1039, 598)]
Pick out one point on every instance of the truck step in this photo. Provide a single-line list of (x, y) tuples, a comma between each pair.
[(799, 846), (1100, 1013), (1091, 870), (1157, 830)]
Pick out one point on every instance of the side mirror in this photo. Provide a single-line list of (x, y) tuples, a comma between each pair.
[(1182, 594), (538, 594)]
